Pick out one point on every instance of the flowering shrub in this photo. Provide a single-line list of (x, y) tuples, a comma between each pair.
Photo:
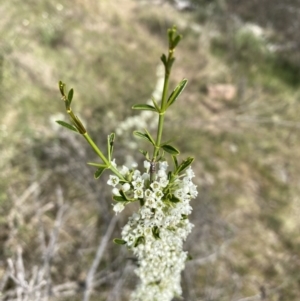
[(155, 233)]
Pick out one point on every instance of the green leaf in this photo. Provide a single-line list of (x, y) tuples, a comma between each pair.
[(144, 107), (124, 196), (176, 41), (171, 62), (155, 232), (119, 241), (97, 164), (70, 96), (67, 125), (175, 161), (176, 92), (141, 135), (145, 153), (155, 104), (174, 199), (185, 164), (118, 198), (99, 172), (61, 86), (142, 202), (171, 32), (139, 240), (189, 257), (150, 137), (163, 58), (170, 149), (144, 136)]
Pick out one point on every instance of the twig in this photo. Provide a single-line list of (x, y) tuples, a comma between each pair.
[(101, 248), (116, 291), (48, 255), (4, 281)]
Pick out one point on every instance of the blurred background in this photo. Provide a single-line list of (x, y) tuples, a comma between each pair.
[(238, 116)]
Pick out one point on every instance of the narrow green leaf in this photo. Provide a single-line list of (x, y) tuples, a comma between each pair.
[(163, 58), (176, 41), (119, 241), (174, 199), (155, 104), (150, 137), (144, 136), (171, 32), (67, 125), (171, 62), (185, 164), (141, 135), (175, 161), (170, 149), (99, 172), (139, 240), (97, 164), (118, 198), (61, 87), (142, 202), (144, 107), (155, 232), (145, 153), (123, 195), (70, 96), (176, 92)]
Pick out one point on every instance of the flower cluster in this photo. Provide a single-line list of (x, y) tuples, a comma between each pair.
[(156, 232)]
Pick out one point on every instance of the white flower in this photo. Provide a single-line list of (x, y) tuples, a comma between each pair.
[(138, 193), (158, 194), (138, 183), (163, 165), (193, 191), (148, 193), (146, 212), (113, 180), (155, 186), (150, 202), (179, 193), (161, 173), (116, 191), (163, 182), (136, 174), (145, 176), (189, 172), (113, 163), (124, 170), (125, 187), (147, 165), (118, 207)]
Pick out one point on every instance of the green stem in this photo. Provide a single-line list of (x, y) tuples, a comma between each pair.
[(163, 106), (100, 154)]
